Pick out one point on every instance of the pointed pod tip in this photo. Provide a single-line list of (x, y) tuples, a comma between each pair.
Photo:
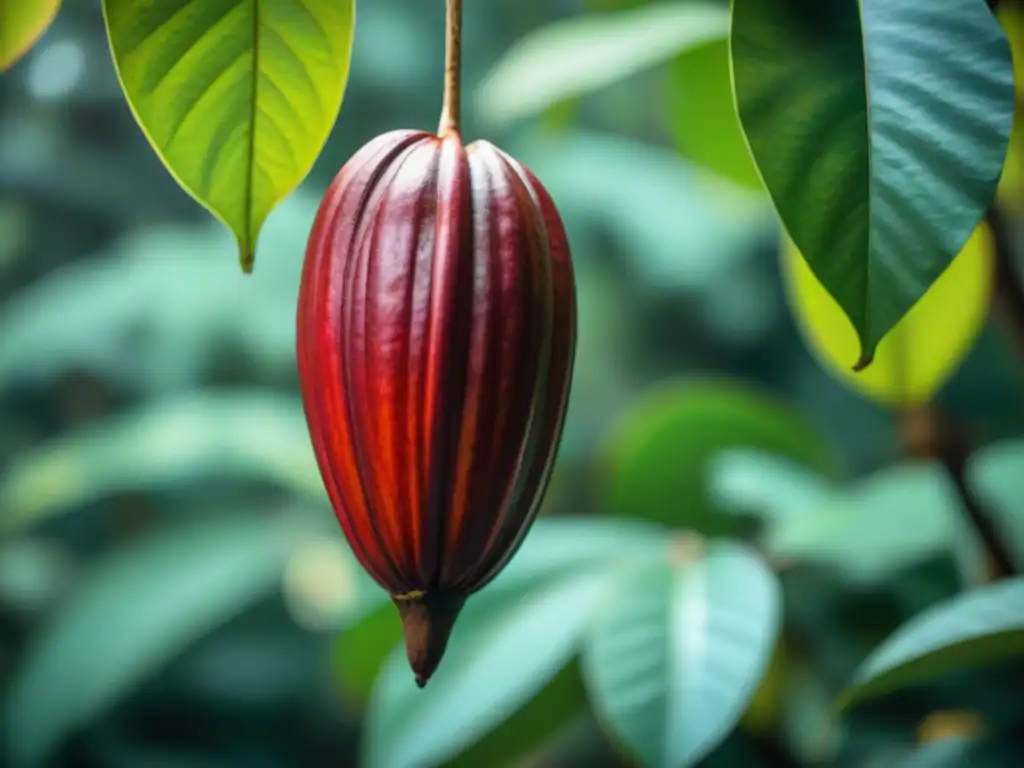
[(427, 622)]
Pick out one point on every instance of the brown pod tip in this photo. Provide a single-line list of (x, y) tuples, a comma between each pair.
[(427, 621)]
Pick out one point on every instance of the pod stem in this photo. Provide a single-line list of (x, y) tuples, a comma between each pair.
[(452, 106)]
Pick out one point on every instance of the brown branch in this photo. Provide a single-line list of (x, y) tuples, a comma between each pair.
[(927, 434), (1008, 302)]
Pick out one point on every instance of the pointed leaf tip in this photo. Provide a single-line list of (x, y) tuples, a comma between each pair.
[(864, 361)]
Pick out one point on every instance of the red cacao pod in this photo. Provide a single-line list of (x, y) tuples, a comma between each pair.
[(436, 337)]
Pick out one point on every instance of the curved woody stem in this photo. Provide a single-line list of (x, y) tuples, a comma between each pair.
[(452, 106)]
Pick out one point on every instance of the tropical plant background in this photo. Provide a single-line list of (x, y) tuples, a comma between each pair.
[(739, 562)]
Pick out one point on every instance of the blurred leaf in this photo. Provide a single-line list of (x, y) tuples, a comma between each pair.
[(674, 659), (134, 613), (237, 99), (981, 627), (923, 350), (22, 23), (542, 719), (554, 550), (680, 230), (877, 526), (998, 751), (756, 483), (702, 114), (657, 459), (246, 435), (576, 56), (500, 657), (877, 179), (996, 473), (160, 308)]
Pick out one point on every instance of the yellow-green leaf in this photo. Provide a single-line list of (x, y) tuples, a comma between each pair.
[(22, 23), (237, 97), (923, 350)]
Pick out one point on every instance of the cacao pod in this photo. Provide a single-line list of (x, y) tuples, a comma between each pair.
[(436, 337)]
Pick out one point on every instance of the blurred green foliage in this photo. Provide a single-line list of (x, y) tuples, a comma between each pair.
[(175, 593)]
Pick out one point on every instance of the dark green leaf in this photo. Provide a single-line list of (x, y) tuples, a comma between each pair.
[(880, 128), (981, 627), (134, 613), (236, 98), (676, 657)]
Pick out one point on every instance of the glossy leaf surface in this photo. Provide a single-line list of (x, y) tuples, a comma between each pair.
[(880, 154), (675, 658), (923, 350), (237, 98)]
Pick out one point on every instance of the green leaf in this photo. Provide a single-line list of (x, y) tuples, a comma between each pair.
[(157, 309), (996, 473), (880, 128), (998, 751), (923, 350), (237, 98), (240, 435), (875, 527), (22, 23), (656, 461), (979, 628), (555, 549), (703, 116), (567, 59), (676, 657), (138, 610), (501, 655), (756, 483)]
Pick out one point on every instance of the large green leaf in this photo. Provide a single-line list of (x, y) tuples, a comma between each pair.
[(22, 23), (981, 627), (555, 549), (657, 459), (501, 656), (703, 116), (237, 97), (875, 527), (570, 58), (246, 434), (675, 658), (880, 128), (134, 613), (902, 516), (771, 487)]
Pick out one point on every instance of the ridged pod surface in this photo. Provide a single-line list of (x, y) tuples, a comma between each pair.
[(436, 337)]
